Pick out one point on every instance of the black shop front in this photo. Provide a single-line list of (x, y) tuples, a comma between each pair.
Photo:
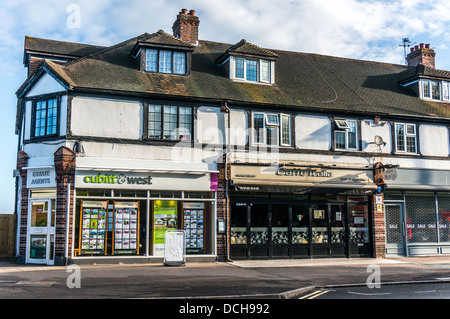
[(280, 212)]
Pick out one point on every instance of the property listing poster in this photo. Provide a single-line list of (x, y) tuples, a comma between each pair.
[(126, 227), (93, 227), (193, 220), (164, 218)]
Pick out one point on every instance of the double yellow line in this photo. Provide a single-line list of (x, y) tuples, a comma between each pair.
[(315, 294)]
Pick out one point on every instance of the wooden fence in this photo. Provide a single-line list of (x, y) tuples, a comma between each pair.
[(7, 235)]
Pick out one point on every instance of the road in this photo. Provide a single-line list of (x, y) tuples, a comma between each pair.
[(402, 291)]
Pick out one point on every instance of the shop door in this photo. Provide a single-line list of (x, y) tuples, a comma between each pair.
[(41, 232), (259, 231), (320, 239), (395, 239), (280, 247), (338, 236)]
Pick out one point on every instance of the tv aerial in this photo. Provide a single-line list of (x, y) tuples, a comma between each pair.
[(406, 43)]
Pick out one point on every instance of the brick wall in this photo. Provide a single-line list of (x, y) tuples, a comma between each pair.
[(379, 229), (65, 160), (22, 161), (222, 209), (185, 26)]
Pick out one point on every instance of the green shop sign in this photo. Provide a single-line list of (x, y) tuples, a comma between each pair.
[(114, 179)]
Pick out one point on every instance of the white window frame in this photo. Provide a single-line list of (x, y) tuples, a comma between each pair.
[(445, 86), (259, 66), (405, 137), (343, 127), (269, 123), (430, 82), (289, 128)]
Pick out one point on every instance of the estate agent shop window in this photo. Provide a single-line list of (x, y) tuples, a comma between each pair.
[(111, 222)]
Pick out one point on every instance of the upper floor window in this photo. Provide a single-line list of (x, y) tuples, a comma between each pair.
[(405, 138), (164, 61), (345, 135), (272, 129), (446, 90), (252, 70), (170, 122), (44, 118), (431, 89)]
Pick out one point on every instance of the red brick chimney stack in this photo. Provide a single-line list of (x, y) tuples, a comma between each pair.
[(421, 54), (185, 26)]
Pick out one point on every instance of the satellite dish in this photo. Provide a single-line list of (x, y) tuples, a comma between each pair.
[(378, 140)]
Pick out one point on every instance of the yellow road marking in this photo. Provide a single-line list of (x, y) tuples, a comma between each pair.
[(315, 294)]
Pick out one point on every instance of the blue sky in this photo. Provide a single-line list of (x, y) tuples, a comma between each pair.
[(360, 29)]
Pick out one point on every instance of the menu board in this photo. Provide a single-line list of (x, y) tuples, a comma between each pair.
[(93, 227), (193, 220), (126, 228)]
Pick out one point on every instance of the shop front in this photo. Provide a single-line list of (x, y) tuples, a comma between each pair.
[(124, 213), (300, 212), (40, 238), (417, 208)]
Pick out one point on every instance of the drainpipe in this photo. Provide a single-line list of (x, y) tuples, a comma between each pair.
[(227, 215)]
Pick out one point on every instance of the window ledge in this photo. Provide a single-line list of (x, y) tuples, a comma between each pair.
[(253, 82)]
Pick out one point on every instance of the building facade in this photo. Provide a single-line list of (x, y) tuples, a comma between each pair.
[(253, 153)]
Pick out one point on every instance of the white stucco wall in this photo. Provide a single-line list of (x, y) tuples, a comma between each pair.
[(434, 140), (106, 118), (209, 126), (45, 85), (368, 132), (312, 132)]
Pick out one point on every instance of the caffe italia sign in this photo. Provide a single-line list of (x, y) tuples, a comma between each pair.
[(301, 176)]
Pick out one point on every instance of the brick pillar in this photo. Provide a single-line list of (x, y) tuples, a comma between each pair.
[(65, 160), (22, 161), (222, 212), (379, 228)]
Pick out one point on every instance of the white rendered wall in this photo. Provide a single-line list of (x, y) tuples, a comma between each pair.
[(313, 132), (434, 140), (106, 118)]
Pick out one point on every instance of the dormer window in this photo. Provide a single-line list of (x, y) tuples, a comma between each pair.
[(246, 62), (430, 89), (252, 70), (163, 53), (164, 61)]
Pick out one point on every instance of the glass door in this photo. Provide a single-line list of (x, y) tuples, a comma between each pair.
[(41, 234), (338, 240), (395, 239), (320, 231), (280, 231), (259, 231)]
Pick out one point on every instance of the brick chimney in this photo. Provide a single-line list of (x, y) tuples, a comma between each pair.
[(185, 26), (421, 54)]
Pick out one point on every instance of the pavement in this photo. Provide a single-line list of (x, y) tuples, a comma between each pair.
[(253, 279)]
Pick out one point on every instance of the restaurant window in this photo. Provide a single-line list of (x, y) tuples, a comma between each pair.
[(170, 122)]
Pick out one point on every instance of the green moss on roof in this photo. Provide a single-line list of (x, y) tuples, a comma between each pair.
[(304, 81)]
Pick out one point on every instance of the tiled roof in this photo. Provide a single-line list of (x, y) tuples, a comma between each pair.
[(308, 82), (59, 47)]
